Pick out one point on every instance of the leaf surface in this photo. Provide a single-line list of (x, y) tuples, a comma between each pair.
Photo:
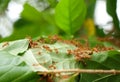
[(111, 9), (70, 14), (102, 60), (13, 69), (15, 47)]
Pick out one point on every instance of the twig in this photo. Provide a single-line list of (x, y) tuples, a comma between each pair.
[(81, 71)]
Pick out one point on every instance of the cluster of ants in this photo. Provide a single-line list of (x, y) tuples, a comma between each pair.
[(81, 51)]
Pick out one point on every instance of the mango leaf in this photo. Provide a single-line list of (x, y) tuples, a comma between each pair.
[(58, 57), (15, 47), (30, 60), (13, 69), (70, 15), (58, 54), (102, 60)]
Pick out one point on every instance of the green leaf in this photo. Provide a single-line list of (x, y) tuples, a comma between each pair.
[(49, 17), (53, 3), (93, 42), (111, 9), (31, 14), (33, 30), (15, 47), (13, 69), (70, 78), (30, 59), (23, 68), (45, 58), (103, 60), (3, 5), (100, 32), (74, 78), (70, 15), (91, 4), (35, 23)]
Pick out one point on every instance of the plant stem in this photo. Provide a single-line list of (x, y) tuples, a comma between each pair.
[(91, 71)]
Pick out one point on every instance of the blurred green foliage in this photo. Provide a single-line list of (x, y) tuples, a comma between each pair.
[(90, 8), (53, 3), (59, 17), (33, 23), (3, 5)]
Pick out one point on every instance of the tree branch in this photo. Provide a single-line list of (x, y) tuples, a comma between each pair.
[(90, 71)]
